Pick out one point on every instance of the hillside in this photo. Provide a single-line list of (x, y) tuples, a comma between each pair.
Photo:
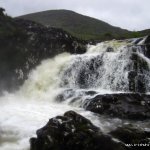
[(79, 25), (145, 32)]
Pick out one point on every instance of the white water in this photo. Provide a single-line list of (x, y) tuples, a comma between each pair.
[(25, 111), (107, 71), (21, 117)]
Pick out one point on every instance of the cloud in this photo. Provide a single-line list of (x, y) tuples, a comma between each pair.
[(129, 14)]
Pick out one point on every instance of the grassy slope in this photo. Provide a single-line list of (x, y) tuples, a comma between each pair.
[(81, 26)]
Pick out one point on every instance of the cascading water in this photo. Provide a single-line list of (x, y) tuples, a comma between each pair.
[(108, 68), (105, 68)]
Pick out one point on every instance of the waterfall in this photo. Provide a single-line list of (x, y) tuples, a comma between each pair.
[(108, 67), (117, 68)]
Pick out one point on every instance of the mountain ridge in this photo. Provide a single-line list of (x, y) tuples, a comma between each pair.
[(79, 25)]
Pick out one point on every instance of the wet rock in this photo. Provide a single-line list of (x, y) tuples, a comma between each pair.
[(147, 41), (129, 106), (145, 45), (129, 134), (138, 73), (24, 44), (109, 49), (72, 132)]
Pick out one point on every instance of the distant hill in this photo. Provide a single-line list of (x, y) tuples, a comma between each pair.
[(145, 32), (81, 26)]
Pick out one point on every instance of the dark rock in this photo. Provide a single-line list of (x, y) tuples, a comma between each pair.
[(147, 41), (2, 10), (138, 73), (109, 49), (129, 134), (128, 106), (72, 132), (145, 45), (24, 44)]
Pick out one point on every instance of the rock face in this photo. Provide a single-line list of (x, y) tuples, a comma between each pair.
[(72, 132), (24, 44), (128, 106)]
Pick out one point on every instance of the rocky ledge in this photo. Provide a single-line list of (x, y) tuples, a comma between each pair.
[(134, 106), (124, 105), (74, 132)]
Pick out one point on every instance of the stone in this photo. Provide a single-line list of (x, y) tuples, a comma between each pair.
[(129, 134), (72, 132), (123, 105)]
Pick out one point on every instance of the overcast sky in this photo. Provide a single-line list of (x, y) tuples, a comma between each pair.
[(128, 14)]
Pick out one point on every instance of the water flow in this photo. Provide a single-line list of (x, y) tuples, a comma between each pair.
[(25, 111), (101, 70), (115, 68)]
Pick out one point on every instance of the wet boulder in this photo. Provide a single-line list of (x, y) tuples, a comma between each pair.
[(123, 105), (109, 49), (72, 132), (131, 135)]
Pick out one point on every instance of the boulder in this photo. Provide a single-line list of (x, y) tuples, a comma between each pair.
[(123, 105), (72, 132), (129, 134)]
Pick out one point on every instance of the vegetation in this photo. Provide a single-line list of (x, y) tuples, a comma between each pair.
[(78, 25), (81, 26)]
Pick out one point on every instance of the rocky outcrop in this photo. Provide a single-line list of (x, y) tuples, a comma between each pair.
[(24, 44), (128, 106), (49, 40), (72, 132), (133, 106)]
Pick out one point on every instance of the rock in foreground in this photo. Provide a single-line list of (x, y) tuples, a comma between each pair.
[(72, 132), (131, 135)]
